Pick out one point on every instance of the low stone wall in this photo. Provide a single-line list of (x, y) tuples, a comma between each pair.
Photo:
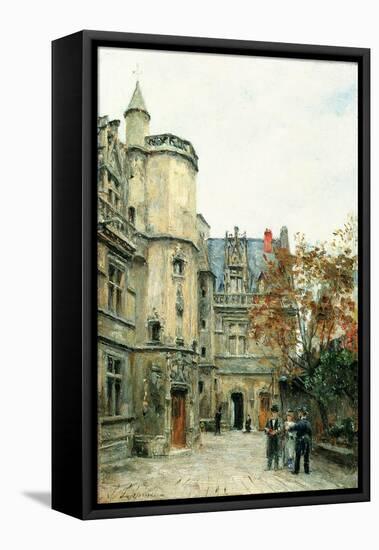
[(150, 446), (340, 455), (116, 442)]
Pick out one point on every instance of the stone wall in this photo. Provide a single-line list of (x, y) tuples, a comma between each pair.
[(116, 437), (251, 387)]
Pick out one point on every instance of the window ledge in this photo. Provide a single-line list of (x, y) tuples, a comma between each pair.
[(116, 317), (115, 419)]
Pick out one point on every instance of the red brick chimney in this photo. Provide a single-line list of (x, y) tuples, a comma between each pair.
[(267, 242)]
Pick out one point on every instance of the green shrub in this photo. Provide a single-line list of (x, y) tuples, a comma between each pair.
[(344, 429)]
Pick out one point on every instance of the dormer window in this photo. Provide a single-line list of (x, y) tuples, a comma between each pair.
[(178, 266)]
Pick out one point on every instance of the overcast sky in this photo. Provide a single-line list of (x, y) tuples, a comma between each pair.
[(276, 138)]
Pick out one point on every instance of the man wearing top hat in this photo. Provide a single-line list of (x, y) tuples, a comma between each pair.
[(273, 431), (303, 431)]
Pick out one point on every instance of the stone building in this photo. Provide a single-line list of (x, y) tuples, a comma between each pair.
[(245, 374), (172, 301)]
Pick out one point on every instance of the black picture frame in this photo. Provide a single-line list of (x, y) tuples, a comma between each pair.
[(74, 411)]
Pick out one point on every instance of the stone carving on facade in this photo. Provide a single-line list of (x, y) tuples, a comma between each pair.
[(155, 317), (156, 375), (155, 388), (236, 274), (145, 402), (170, 141), (179, 300), (179, 368), (178, 253), (178, 261)]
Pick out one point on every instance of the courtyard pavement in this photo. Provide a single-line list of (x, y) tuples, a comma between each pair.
[(231, 464)]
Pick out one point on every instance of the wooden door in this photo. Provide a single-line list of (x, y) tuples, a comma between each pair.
[(264, 411), (178, 419)]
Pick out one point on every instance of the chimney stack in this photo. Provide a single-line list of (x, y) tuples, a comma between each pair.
[(267, 242)]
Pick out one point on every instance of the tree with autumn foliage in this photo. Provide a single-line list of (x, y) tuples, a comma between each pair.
[(307, 306)]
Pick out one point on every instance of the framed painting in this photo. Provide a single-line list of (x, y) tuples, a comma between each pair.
[(210, 274)]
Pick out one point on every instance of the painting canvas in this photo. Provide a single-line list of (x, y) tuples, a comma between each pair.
[(227, 288)]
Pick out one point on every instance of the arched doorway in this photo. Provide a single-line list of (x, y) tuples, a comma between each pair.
[(237, 401)]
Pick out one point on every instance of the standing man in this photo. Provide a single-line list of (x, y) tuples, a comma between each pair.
[(248, 424), (273, 431), (303, 431), (218, 416)]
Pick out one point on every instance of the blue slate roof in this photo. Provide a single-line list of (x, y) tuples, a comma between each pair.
[(256, 261)]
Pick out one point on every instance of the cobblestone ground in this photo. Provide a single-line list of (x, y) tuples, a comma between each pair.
[(231, 464)]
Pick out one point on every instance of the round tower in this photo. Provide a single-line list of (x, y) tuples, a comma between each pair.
[(171, 171), (137, 120)]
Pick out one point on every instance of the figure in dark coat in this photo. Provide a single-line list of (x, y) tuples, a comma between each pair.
[(273, 431), (248, 424), (218, 416), (303, 431)]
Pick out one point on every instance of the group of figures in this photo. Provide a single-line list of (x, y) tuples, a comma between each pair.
[(289, 441)]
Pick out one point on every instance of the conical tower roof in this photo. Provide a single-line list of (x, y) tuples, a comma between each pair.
[(137, 103)]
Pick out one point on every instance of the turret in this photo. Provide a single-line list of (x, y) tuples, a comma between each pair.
[(137, 120), (284, 242)]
